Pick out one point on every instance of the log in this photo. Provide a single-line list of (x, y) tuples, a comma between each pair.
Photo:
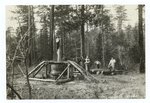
[(85, 73), (46, 71), (43, 80), (79, 68), (57, 62), (63, 72), (68, 73), (63, 80), (38, 70)]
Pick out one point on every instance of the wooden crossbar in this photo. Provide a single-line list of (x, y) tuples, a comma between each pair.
[(63, 72), (38, 70)]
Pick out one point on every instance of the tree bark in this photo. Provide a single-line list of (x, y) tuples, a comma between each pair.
[(27, 78), (103, 41), (82, 35), (142, 57), (29, 33), (51, 32)]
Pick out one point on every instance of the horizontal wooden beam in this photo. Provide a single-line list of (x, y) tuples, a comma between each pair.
[(57, 62), (44, 80)]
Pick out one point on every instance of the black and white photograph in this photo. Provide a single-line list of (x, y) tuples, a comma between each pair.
[(75, 51)]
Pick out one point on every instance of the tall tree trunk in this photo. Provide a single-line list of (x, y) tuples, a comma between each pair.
[(82, 35), (63, 45), (142, 58), (27, 77), (33, 35), (51, 31), (28, 53), (103, 41), (12, 95), (29, 34)]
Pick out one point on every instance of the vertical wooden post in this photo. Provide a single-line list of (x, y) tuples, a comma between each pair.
[(68, 72), (46, 70)]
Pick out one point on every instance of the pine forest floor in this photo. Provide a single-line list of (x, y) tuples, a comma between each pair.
[(129, 86)]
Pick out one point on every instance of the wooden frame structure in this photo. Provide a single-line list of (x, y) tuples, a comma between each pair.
[(68, 69)]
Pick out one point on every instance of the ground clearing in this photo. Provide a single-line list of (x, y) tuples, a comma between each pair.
[(131, 86)]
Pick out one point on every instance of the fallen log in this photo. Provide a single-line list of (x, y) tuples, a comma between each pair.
[(60, 81)]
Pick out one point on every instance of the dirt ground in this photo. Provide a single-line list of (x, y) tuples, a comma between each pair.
[(131, 86)]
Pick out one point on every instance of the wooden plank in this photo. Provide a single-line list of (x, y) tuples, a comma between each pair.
[(44, 80), (63, 72)]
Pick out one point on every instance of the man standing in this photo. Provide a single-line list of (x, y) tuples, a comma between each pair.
[(111, 64), (87, 61)]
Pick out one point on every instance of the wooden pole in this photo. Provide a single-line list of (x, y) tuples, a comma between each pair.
[(68, 72), (46, 70)]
